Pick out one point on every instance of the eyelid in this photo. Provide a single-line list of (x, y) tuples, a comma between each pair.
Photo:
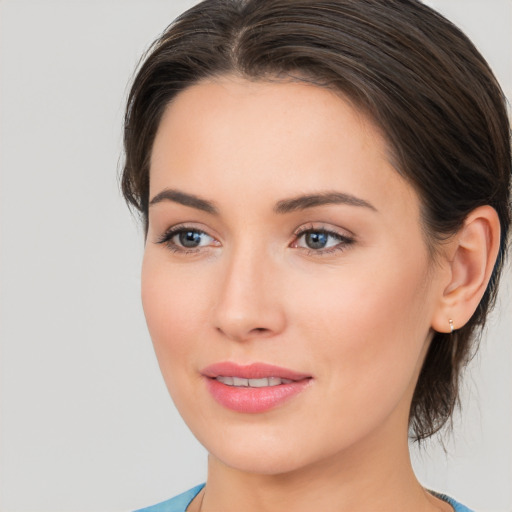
[(171, 232), (346, 238), (326, 228)]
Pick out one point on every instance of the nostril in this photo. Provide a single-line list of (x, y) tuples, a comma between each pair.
[(260, 332)]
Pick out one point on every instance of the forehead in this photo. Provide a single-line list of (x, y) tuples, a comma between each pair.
[(277, 138), (268, 107)]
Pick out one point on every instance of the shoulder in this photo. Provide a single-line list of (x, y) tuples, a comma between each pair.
[(457, 507), (177, 504)]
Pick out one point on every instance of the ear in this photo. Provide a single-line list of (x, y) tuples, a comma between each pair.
[(471, 257)]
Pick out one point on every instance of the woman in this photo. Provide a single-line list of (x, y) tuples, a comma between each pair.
[(325, 192)]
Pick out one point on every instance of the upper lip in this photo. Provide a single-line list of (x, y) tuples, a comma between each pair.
[(251, 371)]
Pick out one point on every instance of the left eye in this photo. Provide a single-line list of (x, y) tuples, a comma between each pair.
[(319, 239)]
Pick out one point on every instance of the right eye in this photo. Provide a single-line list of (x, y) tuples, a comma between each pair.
[(186, 239)]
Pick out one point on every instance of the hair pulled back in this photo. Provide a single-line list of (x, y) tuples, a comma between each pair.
[(416, 75)]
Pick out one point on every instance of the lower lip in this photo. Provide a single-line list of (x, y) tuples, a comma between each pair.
[(254, 400)]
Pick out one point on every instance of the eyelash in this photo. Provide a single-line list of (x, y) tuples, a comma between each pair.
[(343, 240), (166, 239)]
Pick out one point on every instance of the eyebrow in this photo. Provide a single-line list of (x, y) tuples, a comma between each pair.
[(282, 207), (324, 198), (185, 199)]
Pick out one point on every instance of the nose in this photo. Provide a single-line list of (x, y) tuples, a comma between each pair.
[(249, 304)]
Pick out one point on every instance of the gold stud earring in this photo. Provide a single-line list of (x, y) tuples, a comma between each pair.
[(450, 321)]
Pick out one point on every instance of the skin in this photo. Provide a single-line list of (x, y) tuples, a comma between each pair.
[(357, 316)]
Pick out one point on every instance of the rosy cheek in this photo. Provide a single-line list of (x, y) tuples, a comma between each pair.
[(170, 307), (157, 300)]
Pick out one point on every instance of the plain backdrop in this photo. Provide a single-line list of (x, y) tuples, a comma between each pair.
[(86, 423)]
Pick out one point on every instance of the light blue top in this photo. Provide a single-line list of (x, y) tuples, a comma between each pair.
[(182, 501), (177, 504)]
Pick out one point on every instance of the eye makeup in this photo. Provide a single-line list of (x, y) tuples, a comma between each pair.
[(320, 241), (314, 240), (186, 239)]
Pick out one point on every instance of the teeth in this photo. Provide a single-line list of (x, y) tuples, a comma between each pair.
[(261, 383), (226, 380), (252, 383), (237, 381)]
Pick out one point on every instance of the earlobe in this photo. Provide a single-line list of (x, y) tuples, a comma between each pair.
[(473, 253)]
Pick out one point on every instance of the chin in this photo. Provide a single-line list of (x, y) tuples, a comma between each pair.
[(263, 453), (254, 460)]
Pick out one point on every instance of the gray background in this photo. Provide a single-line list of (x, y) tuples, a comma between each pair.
[(86, 423)]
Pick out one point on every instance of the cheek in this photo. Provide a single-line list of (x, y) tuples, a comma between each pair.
[(369, 328), (172, 307)]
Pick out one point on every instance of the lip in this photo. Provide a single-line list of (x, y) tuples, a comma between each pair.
[(253, 400), (251, 371)]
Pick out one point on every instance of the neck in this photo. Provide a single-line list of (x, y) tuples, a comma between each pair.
[(374, 475)]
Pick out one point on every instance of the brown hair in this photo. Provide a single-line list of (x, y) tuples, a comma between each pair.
[(412, 71)]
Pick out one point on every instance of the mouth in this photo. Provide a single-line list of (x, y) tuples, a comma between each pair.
[(252, 374), (240, 382), (253, 388)]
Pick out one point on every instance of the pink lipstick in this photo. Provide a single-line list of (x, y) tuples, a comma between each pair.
[(253, 388)]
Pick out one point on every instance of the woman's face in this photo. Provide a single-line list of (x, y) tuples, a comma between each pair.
[(284, 248)]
